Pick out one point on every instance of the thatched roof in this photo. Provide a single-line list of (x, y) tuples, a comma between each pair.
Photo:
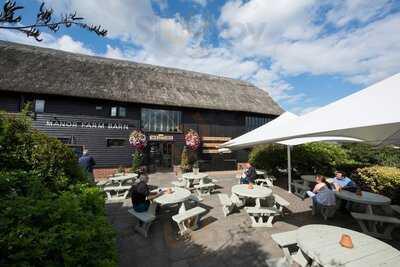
[(46, 71)]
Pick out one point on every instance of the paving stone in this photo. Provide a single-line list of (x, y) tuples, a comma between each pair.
[(221, 241)]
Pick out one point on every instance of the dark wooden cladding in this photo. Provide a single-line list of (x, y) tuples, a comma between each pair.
[(94, 139), (9, 102), (62, 113)]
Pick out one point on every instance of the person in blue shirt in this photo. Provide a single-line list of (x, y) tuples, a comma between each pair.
[(322, 193), (341, 182)]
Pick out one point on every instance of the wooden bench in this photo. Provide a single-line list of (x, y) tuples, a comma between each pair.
[(145, 220), (188, 219), (227, 204), (117, 192), (299, 188), (205, 189), (281, 203), (369, 224), (287, 241)]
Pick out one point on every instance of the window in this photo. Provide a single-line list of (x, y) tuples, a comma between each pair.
[(39, 105), (118, 111), (99, 107), (159, 120), (253, 122), (121, 111), (115, 142), (113, 111)]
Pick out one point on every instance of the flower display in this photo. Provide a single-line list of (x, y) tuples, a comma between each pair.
[(138, 140), (192, 139)]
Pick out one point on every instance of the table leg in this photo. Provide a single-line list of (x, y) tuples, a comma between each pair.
[(182, 208), (258, 203), (369, 209)]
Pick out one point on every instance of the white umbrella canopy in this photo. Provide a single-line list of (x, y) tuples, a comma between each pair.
[(257, 135), (371, 115)]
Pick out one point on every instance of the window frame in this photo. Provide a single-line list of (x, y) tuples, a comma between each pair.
[(114, 138)]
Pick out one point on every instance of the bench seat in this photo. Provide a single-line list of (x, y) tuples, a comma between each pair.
[(395, 208), (227, 204), (145, 220), (186, 216), (204, 189), (369, 224)]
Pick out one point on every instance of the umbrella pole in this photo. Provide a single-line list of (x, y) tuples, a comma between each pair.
[(289, 169)]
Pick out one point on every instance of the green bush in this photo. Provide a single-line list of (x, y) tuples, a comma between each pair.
[(50, 214), (369, 155), (314, 158), (382, 180)]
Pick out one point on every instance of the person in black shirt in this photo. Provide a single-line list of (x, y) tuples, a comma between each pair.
[(250, 175), (141, 195), (87, 162)]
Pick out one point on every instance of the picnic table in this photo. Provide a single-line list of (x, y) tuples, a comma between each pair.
[(257, 192), (321, 244), (308, 179), (178, 195), (367, 198), (122, 179), (191, 177)]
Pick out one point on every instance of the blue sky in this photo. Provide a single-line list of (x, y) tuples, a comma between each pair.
[(305, 53)]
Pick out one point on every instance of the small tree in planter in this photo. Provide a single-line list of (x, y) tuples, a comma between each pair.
[(138, 141), (185, 162), (192, 139)]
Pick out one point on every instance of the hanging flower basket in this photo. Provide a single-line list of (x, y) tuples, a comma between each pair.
[(192, 139), (138, 140)]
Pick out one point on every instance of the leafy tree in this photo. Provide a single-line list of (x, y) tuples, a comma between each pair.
[(44, 19), (185, 160), (50, 214)]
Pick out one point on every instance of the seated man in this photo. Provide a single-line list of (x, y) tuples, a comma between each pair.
[(141, 195), (341, 182), (250, 175)]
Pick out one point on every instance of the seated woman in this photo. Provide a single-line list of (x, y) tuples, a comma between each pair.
[(141, 195), (249, 175), (322, 193)]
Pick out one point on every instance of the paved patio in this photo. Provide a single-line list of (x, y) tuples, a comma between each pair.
[(221, 241)]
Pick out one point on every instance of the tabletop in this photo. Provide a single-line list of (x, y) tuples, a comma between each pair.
[(260, 172), (178, 195), (321, 243), (366, 198), (257, 191), (192, 176), (124, 177), (308, 178)]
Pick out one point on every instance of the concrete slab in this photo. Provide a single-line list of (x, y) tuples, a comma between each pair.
[(220, 241)]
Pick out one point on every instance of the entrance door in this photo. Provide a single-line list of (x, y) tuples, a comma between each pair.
[(161, 155)]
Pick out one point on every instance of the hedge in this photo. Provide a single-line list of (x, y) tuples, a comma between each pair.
[(50, 213), (382, 180), (311, 158)]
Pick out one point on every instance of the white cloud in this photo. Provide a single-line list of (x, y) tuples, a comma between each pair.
[(65, 42), (287, 34), (262, 41), (347, 11)]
